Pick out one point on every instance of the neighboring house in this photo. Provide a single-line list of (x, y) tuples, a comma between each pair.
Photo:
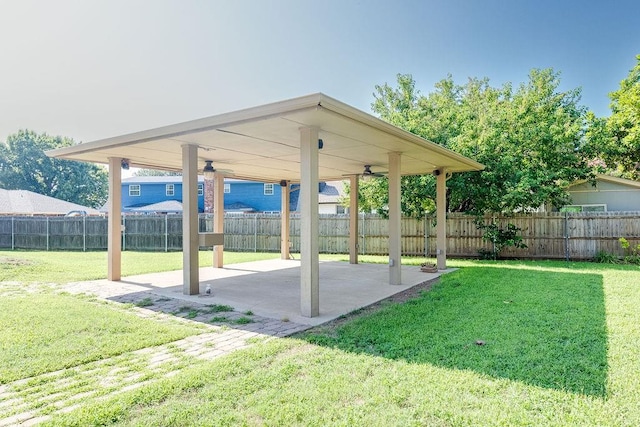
[(609, 194), (329, 197), (331, 194), (28, 203), (163, 194), (150, 194)]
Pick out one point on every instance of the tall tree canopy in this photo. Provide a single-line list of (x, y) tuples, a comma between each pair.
[(620, 138), (529, 139), (25, 166)]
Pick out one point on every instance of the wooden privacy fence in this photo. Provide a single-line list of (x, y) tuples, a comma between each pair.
[(547, 235)]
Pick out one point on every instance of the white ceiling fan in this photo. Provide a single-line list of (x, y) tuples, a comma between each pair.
[(369, 174), (208, 169)]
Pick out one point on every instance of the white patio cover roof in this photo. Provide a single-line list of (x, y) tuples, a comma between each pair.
[(263, 143), (271, 143)]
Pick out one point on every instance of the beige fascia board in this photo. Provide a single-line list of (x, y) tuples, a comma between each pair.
[(194, 126), (277, 109)]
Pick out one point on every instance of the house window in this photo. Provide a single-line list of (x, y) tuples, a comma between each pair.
[(170, 190), (134, 190), (200, 189), (268, 189), (227, 188), (594, 208), (584, 208)]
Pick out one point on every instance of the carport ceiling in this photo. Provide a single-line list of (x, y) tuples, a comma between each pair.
[(263, 143)]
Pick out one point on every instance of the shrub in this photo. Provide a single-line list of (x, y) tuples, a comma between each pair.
[(500, 238), (603, 257), (632, 253)]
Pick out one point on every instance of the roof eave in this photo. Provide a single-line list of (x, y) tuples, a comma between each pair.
[(194, 126), (345, 110)]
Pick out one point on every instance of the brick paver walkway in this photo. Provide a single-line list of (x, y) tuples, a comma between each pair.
[(33, 400)]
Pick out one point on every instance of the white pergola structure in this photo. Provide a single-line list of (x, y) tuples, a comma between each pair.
[(308, 139)]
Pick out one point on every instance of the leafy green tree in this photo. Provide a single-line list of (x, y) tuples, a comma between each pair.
[(596, 142), (25, 166), (529, 140), (415, 200), (621, 148)]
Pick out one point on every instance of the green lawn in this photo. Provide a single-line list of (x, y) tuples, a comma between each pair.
[(64, 267), (46, 331), (535, 326), (560, 346), (42, 330)]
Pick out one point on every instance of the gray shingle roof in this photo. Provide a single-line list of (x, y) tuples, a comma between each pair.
[(176, 206), (331, 192), (166, 206), (23, 202)]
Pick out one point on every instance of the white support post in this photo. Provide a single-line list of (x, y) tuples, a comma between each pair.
[(285, 216), (353, 219), (84, 233), (114, 238), (166, 233), (441, 220), (190, 261), (309, 260), (394, 220), (218, 217)]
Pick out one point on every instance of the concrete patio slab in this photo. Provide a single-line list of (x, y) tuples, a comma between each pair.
[(271, 288)]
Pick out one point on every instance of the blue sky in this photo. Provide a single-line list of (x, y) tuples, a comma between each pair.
[(91, 69)]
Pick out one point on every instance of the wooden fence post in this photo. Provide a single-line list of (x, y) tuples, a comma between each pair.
[(566, 236)]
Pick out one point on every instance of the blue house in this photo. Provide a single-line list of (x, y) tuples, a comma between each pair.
[(155, 194), (163, 194)]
